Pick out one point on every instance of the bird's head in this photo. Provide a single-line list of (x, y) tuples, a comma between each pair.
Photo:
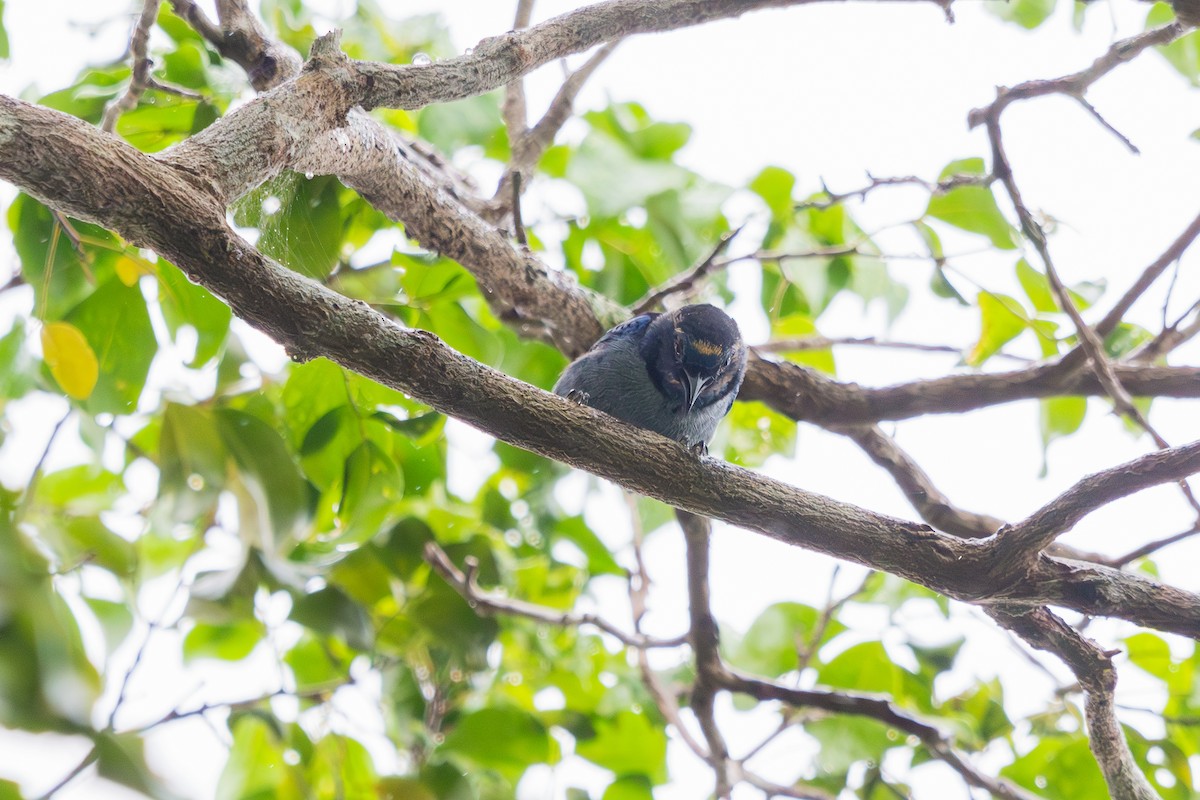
[(694, 354)]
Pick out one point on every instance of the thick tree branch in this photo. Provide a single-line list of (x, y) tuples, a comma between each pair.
[(96, 177)]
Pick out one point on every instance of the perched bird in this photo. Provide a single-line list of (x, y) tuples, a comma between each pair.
[(674, 373)]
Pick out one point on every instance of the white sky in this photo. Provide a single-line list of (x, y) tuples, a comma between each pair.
[(827, 91)]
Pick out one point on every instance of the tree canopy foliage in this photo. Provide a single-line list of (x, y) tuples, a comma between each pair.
[(375, 604)]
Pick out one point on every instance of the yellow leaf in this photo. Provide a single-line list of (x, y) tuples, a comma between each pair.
[(70, 359), (128, 270)]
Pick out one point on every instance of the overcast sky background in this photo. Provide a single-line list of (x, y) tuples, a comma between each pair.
[(826, 91)]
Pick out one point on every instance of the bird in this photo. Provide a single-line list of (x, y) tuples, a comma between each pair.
[(675, 373)]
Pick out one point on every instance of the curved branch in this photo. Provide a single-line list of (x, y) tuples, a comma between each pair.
[(96, 177), (1060, 515)]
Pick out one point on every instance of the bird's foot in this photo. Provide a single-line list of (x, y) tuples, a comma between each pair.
[(579, 397), (698, 449)]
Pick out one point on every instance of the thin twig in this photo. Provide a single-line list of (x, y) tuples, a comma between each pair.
[(1076, 84), (639, 587), (1151, 547), (832, 198), (1089, 341), (686, 280), (487, 603), (87, 761)]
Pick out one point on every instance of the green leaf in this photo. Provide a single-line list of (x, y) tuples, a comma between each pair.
[(60, 278), (846, 741), (1037, 288), (314, 665), (116, 323), (865, 667), (185, 303), (151, 128), (299, 222), (1027, 13), (614, 180), (229, 642), (371, 487), (1001, 319), (331, 612), (266, 465), (598, 557), (629, 744), (1059, 767), (504, 739), (3, 34), (121, 758), (1184, 53), (1125, 338), (256, 769), (771, 645), (82, 489), (100, 546), (1151, 653), (632, 787), (191, 462), (775, 185), (116, 620), (1060, 416), (803, 326), (473, 121), (971, 208), (17, 373)]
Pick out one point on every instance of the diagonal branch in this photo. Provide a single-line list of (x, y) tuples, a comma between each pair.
[(97, 178), (1094, 670), (1042, 527), (884, 711), (1076, 84), (489, 604)]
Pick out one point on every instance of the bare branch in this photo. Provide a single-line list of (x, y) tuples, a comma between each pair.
[(1094, 670), (96, 177), (833, 198), (933, 506), (884, 711), (1055, 518), (530, 144), (1156, 268), (703, 637), (688, 279), (140, 63), (1077, 83), (1152, 547), (488, 604), (1089, 340)]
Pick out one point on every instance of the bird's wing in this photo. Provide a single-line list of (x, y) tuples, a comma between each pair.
[(631, 329)]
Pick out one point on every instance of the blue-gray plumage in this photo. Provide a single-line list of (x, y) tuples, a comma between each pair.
[(675, 373)]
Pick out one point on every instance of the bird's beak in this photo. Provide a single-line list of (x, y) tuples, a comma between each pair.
[(695, 385)]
